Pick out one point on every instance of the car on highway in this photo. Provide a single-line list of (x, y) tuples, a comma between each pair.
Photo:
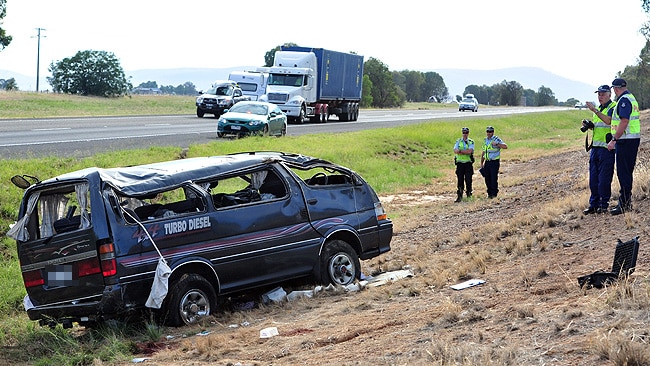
[(218, 98), (178, 236), (252, 118), (468, 104)]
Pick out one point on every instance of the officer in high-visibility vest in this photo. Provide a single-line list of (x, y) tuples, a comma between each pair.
[(491, 161), (626, 137), (601, 160), (464, 159)]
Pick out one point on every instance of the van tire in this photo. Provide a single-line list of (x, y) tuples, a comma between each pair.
[(339, 264), (190, 299)]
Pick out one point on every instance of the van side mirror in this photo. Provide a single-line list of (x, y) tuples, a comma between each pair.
[(21, 181)]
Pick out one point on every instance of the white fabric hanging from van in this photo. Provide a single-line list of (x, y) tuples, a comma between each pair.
[(160, 285)]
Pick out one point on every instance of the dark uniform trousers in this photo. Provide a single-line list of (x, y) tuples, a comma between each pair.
[(464, 172), (491, 170)]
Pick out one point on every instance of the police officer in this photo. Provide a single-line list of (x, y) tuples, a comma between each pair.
[(626, 136), (601, 160), (464, 159), (490, 161)]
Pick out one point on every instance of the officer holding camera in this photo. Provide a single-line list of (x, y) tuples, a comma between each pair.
[(601, 160)]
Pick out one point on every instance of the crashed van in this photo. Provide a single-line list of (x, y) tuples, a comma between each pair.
[(177, 236)]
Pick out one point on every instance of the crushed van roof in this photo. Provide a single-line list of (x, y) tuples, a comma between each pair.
[(144, 179)]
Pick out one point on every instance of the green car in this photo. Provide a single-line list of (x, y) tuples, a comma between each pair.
[(252, 118)]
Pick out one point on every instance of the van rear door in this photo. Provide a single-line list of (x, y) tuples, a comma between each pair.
[(58, 248)]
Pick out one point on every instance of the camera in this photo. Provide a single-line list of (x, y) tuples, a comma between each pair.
[(587, 125)]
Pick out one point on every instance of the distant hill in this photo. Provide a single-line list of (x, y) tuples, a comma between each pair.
[(455, 79), (529, 77)]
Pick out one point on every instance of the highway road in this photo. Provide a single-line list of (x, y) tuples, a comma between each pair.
[(80, 137)]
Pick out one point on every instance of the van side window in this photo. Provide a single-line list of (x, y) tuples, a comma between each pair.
[(166, 204), (54, 211), (324, 176), (246, 188)]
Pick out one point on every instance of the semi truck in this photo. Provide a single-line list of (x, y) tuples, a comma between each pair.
[(315, 83)]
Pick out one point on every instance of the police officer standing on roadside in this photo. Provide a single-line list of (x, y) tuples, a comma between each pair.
[(601, 160), (626, 136), (464, 159), (490, 161)]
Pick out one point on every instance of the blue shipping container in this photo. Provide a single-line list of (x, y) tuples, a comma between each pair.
[(339, 74)]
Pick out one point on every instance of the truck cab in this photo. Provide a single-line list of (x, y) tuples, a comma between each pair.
[(292, 83)]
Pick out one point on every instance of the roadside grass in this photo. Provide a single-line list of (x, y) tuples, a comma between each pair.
[(18, 104), (392, 160)]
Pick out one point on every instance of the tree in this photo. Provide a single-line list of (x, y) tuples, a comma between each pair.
[(97, 73), (544, 97), (5, 39), (509, 93), (148, 84), (9, 84), (434, 86), (413, 81), (385, 93), (366, 92)]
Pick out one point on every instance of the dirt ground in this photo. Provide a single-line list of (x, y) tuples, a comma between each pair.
[(530, 245)]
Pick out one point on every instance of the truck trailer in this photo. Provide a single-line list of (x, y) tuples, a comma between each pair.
[(315, 83)]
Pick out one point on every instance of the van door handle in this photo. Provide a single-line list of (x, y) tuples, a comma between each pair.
[(312, 201)]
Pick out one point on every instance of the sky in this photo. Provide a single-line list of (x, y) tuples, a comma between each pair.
[(583, 40)]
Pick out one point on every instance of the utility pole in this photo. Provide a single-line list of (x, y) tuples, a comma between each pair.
[(38, 56)]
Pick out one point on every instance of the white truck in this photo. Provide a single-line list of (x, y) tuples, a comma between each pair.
[(315, 83), (252, 83)]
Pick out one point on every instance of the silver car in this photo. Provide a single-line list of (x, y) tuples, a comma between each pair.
[(468, 104)]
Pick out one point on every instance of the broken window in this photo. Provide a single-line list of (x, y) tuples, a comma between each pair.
[(175, 202), (245, 188), (323, 176), (54, 211)]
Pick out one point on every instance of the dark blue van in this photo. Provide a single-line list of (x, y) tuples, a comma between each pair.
[(90, 242)]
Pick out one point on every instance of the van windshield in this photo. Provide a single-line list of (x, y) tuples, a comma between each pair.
[(248, 87)]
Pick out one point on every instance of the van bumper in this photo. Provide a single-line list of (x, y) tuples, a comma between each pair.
[(101, 307)]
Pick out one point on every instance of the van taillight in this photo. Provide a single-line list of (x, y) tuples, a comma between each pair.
[(88, 267), (107, 259), (33, 278), (379, 212)]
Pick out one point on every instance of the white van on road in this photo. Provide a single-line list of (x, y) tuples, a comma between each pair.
[(252, 83)]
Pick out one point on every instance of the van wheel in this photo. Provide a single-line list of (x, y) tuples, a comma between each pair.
[(339, 264), (190, 299), (199, 112)]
